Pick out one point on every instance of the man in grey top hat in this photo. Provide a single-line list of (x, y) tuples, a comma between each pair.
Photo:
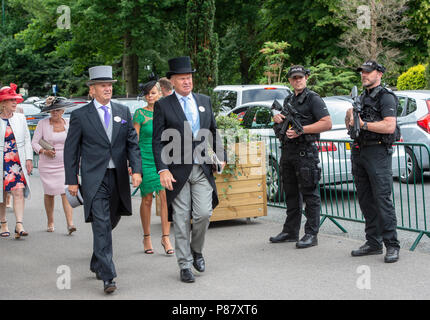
[(102, 143)]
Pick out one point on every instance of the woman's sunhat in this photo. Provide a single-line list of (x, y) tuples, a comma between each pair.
[(54, 103), (9, 93)]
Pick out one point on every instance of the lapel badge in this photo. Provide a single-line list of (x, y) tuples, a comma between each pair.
[(117, 119), (202, 109)]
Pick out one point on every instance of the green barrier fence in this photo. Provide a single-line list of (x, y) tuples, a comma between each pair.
[(338, 194)]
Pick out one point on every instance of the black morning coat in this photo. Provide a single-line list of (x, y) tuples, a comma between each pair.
[(168, 114), (88, 148)]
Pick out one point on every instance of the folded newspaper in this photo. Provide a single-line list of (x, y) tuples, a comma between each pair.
[(216, 163)]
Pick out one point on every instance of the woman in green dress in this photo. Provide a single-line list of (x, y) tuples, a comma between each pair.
[(142, 122)]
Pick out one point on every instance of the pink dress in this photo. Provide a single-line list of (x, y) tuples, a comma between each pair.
[(51, 170)]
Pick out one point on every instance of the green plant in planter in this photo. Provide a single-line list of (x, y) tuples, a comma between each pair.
[(232, 132)]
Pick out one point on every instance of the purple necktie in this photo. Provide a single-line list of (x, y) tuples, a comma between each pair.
[(107, 115)]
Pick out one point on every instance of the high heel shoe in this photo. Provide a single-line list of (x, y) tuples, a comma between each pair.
[(150, 250), (168, 251), (6, 233), (21, 233), (71, 229)]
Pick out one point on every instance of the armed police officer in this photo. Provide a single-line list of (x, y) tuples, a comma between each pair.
[(371, 157), (299, 160)]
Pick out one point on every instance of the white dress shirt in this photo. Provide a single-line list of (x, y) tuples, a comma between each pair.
[(191, 103)]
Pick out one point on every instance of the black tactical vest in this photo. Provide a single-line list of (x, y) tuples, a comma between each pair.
[(302, 105), (371, 112)]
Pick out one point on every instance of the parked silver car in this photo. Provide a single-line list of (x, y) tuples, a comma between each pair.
[(334, 154), (413, 117), (232, 96)]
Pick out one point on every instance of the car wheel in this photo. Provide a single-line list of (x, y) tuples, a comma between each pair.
[(411, 175), (275, 190)]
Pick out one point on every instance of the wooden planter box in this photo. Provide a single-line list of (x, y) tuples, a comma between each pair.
[(243, 196)]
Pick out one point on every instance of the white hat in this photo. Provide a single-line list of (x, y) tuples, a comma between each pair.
[(75, 201), (100, 74)]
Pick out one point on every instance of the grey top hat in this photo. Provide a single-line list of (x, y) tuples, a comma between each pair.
[(75, 201), (100, 74)]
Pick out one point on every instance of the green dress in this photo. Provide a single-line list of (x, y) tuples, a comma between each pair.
[(150, 177)]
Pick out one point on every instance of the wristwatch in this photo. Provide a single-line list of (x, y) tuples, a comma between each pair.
[(365, 126)]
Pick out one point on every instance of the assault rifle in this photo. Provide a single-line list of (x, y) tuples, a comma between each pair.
[(354, 132), (291, 118)]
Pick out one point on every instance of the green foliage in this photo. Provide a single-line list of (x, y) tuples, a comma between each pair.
[(308, 25), (328, 80), (275, 56), (202, 43), (231, 131), (413, 79)]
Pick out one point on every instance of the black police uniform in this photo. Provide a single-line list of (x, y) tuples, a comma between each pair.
[(371, 158), (300, 167)]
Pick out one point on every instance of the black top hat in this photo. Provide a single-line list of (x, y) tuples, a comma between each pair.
[(180, 65), (54, 103)]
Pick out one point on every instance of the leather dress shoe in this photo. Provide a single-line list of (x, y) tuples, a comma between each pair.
[(187, 276), (199, 262), (365, 250), (283, 237), (392, 255), (109, 286), (307, 241)]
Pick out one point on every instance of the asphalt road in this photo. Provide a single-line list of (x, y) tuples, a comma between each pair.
[(241, 263)]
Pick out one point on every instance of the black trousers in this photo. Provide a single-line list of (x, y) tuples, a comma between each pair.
[(104, 207), (372, 170), (300, 175)]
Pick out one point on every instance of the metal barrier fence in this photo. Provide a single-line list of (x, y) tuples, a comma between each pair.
[(338, 193)]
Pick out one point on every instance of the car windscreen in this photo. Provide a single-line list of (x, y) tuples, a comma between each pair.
[(227, 99), (337, 110), (263, 95)]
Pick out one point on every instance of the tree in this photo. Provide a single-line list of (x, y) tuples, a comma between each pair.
[(308, 25), (372, 32), (328, 80), (238, 26), (275, 55), (120, 33), (202, 43)]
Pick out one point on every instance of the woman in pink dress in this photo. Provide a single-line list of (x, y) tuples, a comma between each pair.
[(51, 167)]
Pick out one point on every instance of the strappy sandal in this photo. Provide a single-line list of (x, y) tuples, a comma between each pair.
[(71, 229), (150, 250), (6, 233), (169, 251), (21, 233)]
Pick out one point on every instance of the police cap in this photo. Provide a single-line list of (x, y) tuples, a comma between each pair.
[(297, 70), (371, 65)]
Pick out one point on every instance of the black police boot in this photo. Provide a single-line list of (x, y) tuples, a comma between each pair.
[(392, 255), (308, 240), (283, 237), (365, 250)]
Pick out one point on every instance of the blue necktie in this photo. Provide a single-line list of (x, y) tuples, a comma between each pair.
[(187, 111), (107, 116)]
